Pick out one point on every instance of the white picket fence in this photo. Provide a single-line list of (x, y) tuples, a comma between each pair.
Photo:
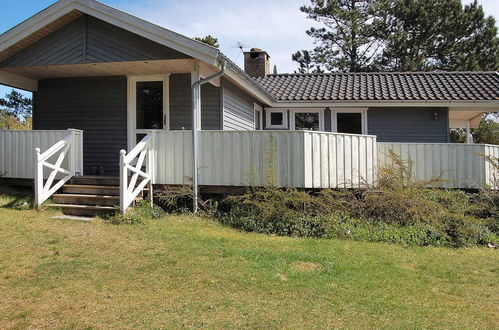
[(302, 159), (17, 151), (460, 165)]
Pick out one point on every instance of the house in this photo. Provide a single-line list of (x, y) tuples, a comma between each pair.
[(122, 80)]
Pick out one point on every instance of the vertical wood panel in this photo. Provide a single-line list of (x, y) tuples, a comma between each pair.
[(459, 164), (17, 151)]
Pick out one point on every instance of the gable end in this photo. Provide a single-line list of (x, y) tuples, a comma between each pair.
[(90, 40)]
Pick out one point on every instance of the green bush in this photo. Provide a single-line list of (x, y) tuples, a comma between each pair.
[(398, 209)]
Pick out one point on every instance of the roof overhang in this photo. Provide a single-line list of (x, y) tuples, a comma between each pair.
[(484, 106), (62, 8)]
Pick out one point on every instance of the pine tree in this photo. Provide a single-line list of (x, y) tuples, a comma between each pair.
[(209, 40), (400, 35), (437, 35), (306, 62), (347, 41), (15, 111)]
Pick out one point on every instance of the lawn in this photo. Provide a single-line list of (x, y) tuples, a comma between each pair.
[(185, 271)]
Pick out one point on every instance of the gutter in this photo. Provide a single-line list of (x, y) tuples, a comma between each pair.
[(195, 107)]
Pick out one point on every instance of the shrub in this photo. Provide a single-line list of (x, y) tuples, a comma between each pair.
[(268, 210), (399, 209)]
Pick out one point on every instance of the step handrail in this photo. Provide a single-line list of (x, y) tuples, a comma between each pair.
[(133, 162), (70, 144)]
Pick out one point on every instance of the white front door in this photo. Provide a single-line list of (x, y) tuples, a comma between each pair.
[(148, 106)]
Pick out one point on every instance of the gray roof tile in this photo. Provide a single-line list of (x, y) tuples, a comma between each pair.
[(390, 86)]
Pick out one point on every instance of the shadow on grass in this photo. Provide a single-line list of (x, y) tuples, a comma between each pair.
[(16, 198)]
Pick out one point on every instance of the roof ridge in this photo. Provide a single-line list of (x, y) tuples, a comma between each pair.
[(382, 73)]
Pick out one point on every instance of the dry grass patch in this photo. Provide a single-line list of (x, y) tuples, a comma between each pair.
[(306, 266)]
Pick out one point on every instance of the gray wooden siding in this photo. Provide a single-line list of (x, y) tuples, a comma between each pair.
[(408, 124), (327, 120), (211, 110), (98, 106), (180, 101), (64, 46), (180, 104), (90, 40), (238, 108)]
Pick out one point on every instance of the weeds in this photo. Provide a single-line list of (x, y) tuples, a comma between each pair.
[(142, 211), (399, 209)]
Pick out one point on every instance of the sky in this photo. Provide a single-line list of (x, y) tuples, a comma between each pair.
[(277, 26)]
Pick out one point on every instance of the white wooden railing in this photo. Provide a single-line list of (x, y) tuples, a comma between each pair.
[(458, 165), (71, 145), (17, 157), (134, 163), (302, 159)]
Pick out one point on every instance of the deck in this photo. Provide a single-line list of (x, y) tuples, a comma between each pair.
[(302, 159)]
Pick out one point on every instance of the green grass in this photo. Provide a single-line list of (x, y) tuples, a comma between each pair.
[(184, 271)]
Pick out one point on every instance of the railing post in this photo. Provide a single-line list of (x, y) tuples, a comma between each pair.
[(151, 162), (72, 152), (38, 179), (123, 182), (78, 150)]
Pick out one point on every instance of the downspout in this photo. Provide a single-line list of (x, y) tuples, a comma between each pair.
[(194, 104)]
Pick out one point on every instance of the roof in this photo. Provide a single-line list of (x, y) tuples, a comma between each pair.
[(283, 89), (64, 11), (393, 86)]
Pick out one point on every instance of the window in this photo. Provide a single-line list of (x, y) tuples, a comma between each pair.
[(309, 119), (149, 105), (258, 116), (276, 118), (350, 121)]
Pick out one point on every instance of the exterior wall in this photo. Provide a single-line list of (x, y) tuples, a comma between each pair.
[(238, 108), (90, 40), (408, 124), (180, 104), (98, 106)]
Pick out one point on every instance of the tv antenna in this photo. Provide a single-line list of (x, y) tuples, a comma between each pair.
[(241, 46)]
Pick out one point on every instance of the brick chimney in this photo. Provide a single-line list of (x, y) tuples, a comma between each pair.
[(257, 63)]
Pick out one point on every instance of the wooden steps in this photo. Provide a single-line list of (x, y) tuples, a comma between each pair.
[(91, 189), (84, 210), (88, 196), (96, 180), (86, 199)]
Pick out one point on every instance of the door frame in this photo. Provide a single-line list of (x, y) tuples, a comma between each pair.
[(132, 81)]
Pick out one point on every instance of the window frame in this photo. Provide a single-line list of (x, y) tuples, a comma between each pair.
[(320, 111), (257, 111), (268, 113), (336, 111)]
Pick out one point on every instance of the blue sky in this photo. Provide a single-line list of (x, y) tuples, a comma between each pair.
[(276, 25)]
